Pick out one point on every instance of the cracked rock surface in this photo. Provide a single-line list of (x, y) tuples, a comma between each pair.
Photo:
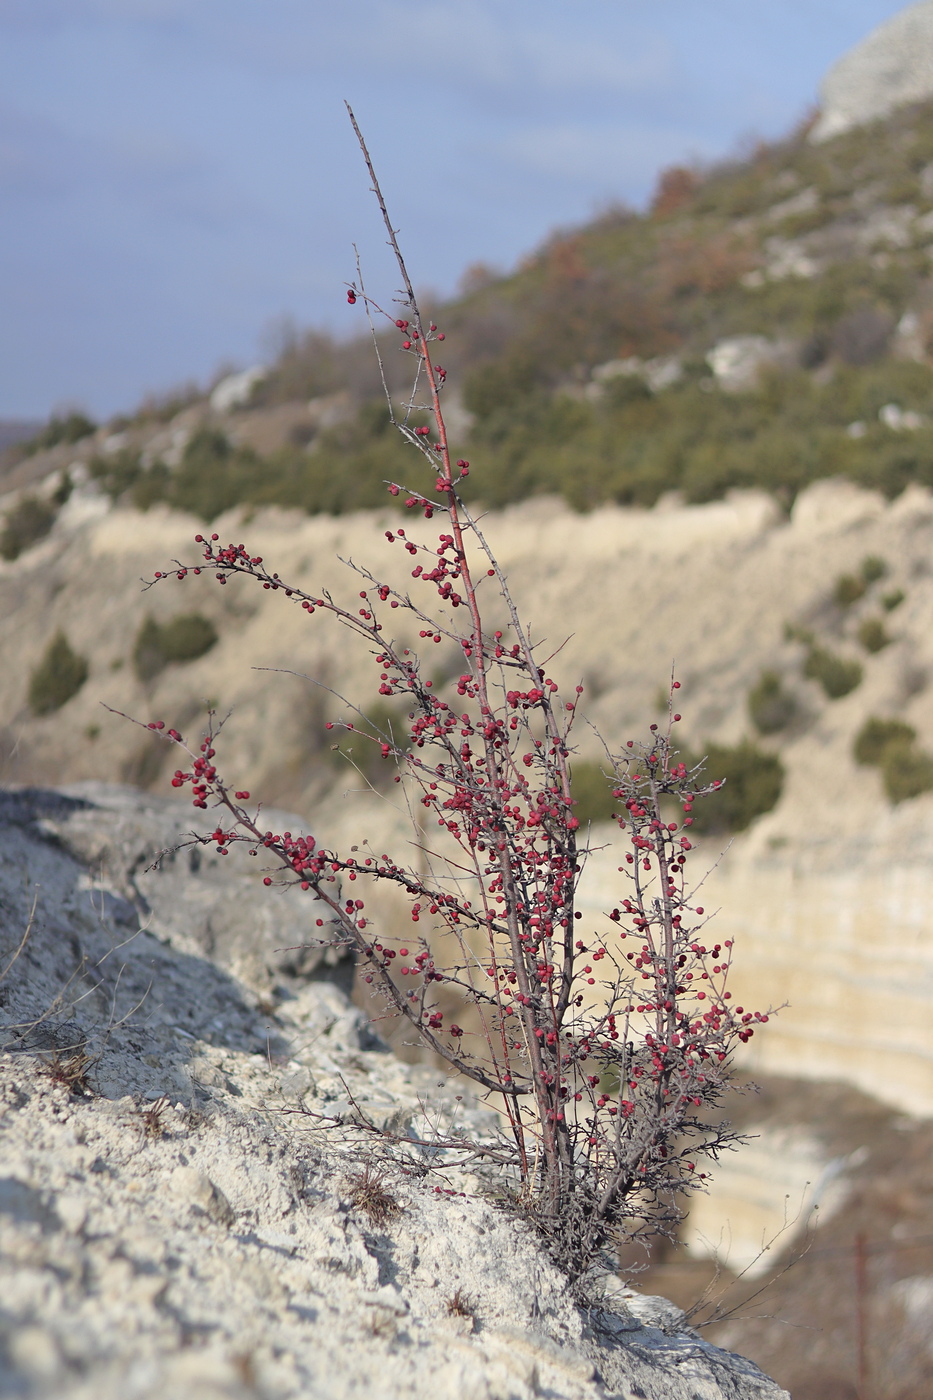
[(182, 1215)]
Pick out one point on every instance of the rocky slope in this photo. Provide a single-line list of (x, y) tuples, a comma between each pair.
[(767, 323), (181, 1212)]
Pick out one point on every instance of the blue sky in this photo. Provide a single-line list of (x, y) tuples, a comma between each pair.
[(178, 176)]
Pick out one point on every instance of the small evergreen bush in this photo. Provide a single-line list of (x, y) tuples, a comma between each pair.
[(26, 524), (770, 706), (752, 783), (876, 736), (70, 427), (892, 600), (847, 590), (873, 568), (835, 674), (872, 634), (592, 792), (59, 676), (890, 744), (183, 638), (907, 772)]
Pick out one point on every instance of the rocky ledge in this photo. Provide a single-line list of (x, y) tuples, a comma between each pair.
[(184, 1211)]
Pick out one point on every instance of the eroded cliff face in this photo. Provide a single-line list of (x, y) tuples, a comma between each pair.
[(827, 896), (183, 1208)]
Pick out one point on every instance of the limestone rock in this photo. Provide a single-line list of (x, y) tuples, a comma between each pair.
[(170, 1225), (234, 391), (889, 68)]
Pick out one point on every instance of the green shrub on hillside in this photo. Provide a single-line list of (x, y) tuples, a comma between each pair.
[(71, 427), (24, 525), (877, 736), (183, 638), (60, 675), (752, 783), (361, 747), (592, 792), (117, 473), (873, 568), (907, 772), (892, 600), (770, 706), (835, 674), (847, 590), (890, 745), (872, 634)]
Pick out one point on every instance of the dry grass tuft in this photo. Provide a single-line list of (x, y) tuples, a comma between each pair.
[(71, 1071), (370, 1194)]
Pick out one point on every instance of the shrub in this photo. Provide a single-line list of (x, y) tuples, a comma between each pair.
[(872, 634), (907, 772), (607, 1068), (892, 600), (71, 427), (24, 525), (873, 568), (751, 780), (847, 590), (362, 745), (592, 792), (183, 638), (890, 744), (60, 675), (770, 706), (876, 736), (835, 674), (117, 472)]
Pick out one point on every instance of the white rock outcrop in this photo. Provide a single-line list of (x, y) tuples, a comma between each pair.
[(176, 1219), (889, 68), (235, 389)]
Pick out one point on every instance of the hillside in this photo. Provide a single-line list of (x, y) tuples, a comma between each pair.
[(767, 323)]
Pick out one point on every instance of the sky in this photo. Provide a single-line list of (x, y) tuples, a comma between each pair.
[(178, 178)]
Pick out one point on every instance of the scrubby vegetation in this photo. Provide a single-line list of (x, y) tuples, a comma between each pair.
[(770, 707), (752, 780), (849, 588), (873, 634), (28, 522), (592, 792), (587, 371), (838, 675), (346, 471), (59, 676), (891, 746), (183, 638), (68, 427)]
